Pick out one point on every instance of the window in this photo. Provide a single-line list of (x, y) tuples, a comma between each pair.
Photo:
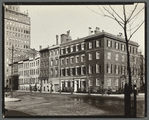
[(97, 55), (90, 69), (116, 45), (77, 59), (135, 60), (71, 48), (83, 72), (77, 47), (56, 61), (82, 46), (116, 57), (122, 69), (109, 55), (90, 45), (56, 72), (98, 67), (109, 43), (90, 56), (123, 47), (116, 69), (109, 81), (66, 60), (67, 49), (82, 57), (97, 43), (109, 68), (97, 82), (62, 61), (62, 51), (123, 58), (116, 82), (90, 82), (51, 62)]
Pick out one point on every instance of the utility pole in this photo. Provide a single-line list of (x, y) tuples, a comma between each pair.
[(12, 73)]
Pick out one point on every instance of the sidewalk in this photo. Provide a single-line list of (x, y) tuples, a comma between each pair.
[(8, 99), (111, 95)]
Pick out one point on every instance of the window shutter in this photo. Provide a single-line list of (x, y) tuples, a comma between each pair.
[(115, 45), (107, 68), (99, 43), (111, 43), (111, 68), (95, 43), (107, 43)]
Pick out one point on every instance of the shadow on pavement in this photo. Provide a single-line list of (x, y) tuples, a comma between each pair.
[(13, 113)]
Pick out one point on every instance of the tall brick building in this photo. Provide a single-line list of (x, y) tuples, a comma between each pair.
[(16, 34)]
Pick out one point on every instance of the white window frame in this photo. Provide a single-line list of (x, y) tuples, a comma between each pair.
[(123, 58), (109, 55), (82, 69), (116, 82), (97, 43), (62, 52), (83, 55), (97, 82), (97, 55), (71, 60), (72, 48), (123, 48), (116, 46), (82, 46), (109, 68), (109, 43), (66, 60), (97, 68), (109, 82), (90, 56), (90, 45), (77, 56), (62, 59), (77, 45), (116, 69), (116, 57), (66, 49)]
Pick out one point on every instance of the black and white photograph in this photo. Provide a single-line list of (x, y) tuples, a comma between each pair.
[(74, 60)]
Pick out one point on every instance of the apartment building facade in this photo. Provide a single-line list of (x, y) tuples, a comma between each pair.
[(16, 34), (44, 69), (98, 60), (54, 72), (29, 71)]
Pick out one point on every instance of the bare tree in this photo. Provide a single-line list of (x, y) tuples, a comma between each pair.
[(128, 22)]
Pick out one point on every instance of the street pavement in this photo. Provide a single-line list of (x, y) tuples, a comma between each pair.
[(78, 104)]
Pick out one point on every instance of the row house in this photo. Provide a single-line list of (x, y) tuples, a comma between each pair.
[(98, 60), (29, 71), (54, 67), (44, 69)]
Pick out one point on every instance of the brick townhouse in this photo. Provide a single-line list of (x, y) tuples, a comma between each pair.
[(98, 60)]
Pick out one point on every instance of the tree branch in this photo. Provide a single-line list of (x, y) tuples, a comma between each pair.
[(116, 13), (136, 30), (132, 12), (135, 15), (119, 22)]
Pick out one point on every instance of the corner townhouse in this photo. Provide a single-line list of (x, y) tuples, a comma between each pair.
[(98, 60)]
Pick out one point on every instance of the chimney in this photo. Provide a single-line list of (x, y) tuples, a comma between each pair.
[(68, 32), (89, 32), (56, 39), (40, 47)]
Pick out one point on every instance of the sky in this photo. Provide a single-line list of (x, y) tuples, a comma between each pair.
[(47, 21)]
